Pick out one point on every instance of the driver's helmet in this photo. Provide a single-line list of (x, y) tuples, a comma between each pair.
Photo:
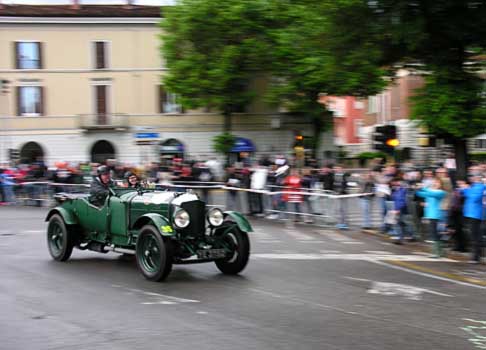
[(103, 169)]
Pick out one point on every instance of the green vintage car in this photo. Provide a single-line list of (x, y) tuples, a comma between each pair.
[(160, 228)]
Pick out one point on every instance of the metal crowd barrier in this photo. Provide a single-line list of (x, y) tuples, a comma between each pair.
[(318, 206)]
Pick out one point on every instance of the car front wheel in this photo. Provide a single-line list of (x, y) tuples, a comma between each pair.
[(60, 239), (238, 244), (153, 254)]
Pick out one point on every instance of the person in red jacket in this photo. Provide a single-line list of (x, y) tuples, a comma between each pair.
[(293, 183)]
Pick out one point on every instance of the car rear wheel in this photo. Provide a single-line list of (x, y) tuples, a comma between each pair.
[(239, 246), (153, 254), (60, 239)]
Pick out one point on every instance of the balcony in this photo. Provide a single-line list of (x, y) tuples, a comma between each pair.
[(103, 122)]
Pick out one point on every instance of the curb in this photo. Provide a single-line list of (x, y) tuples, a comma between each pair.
[(421, 246)]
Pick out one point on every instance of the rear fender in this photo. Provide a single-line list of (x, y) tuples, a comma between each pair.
[(158, 221), (239, 219), (67, 216)]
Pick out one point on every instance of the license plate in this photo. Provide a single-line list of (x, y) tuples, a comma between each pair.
[(211, 254)]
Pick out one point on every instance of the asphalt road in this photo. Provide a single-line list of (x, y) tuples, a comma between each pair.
[(304, 288)]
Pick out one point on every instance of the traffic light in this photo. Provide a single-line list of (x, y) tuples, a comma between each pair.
[(299, 140), (4, 86), (385, 138)]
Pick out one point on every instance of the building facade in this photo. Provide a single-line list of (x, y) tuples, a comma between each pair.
[(85, 84)]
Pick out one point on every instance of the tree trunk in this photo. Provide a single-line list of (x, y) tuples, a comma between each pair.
[(227, 122), (460, 147)]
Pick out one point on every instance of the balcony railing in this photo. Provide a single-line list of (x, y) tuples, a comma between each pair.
[(102, 122)]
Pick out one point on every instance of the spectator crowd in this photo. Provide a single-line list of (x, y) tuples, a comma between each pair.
[(413, 203)]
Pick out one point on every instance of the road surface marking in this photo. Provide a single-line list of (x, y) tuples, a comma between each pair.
[(478, 331), (442, 276), (379, 252), (350, 257), (312, 242), (33, 231), (407, 291), (161, 299), (329, 251), (352, 242), (261, 235), (299, 236)]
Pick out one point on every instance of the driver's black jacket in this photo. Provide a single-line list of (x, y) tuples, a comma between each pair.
[(99, 191)]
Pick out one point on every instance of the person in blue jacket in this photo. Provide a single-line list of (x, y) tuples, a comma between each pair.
[(399, 198), (473, 212), (433, 195)]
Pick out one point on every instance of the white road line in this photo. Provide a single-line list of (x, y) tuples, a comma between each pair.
[(426, 274), (299, 236), (162, 298), (312, 242), (379, 252), (261, 235), (352, 242), (348, 257), (33, 231), (329, 251)]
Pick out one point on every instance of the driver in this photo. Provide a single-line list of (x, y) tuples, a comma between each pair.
[(100, 187)]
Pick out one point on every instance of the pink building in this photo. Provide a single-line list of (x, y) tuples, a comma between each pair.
[(349, 115)]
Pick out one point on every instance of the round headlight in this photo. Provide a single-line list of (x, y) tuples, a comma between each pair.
[(181, 218), (215, 217)]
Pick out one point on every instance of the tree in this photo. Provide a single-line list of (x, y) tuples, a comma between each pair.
[(214, 50), (316, 52), (443, 36)]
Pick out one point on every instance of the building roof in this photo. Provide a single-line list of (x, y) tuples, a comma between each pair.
[(82, 11)]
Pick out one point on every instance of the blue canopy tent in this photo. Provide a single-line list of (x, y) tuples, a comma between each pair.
[(243, 145)]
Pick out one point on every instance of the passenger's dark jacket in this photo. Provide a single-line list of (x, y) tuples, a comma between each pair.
[(99, 192)]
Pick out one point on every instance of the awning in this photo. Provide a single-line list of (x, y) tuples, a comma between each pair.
[(243, 145), (171, 146)]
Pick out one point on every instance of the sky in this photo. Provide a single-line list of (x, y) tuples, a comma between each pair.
[(88, 2)]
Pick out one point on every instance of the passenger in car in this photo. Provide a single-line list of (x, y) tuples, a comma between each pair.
[(132, 180)]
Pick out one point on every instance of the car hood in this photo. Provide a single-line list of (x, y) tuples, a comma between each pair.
[(164, 197)]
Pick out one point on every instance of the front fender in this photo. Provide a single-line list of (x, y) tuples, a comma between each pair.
[(240, 220), (160, 223), (66, 215)]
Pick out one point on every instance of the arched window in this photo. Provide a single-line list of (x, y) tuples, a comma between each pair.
[(101, 151)]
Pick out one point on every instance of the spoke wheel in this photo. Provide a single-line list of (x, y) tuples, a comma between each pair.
[(153, 254), (59, 239), (238, 244)]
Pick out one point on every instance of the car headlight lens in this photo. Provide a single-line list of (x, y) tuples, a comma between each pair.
[(181, 218), (215, 217)]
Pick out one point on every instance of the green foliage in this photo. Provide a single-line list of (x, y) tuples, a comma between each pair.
[(214, 50), (479, 156), (451, 105), (316, 52), (442, 36), (371, 155), (223, 143)]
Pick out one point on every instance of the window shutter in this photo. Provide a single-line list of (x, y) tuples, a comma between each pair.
[(162, 98), (42, 101), (18, 98), (16, 55), (41, 60)]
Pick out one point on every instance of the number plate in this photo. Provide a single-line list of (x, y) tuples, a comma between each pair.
[(211, 254)]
